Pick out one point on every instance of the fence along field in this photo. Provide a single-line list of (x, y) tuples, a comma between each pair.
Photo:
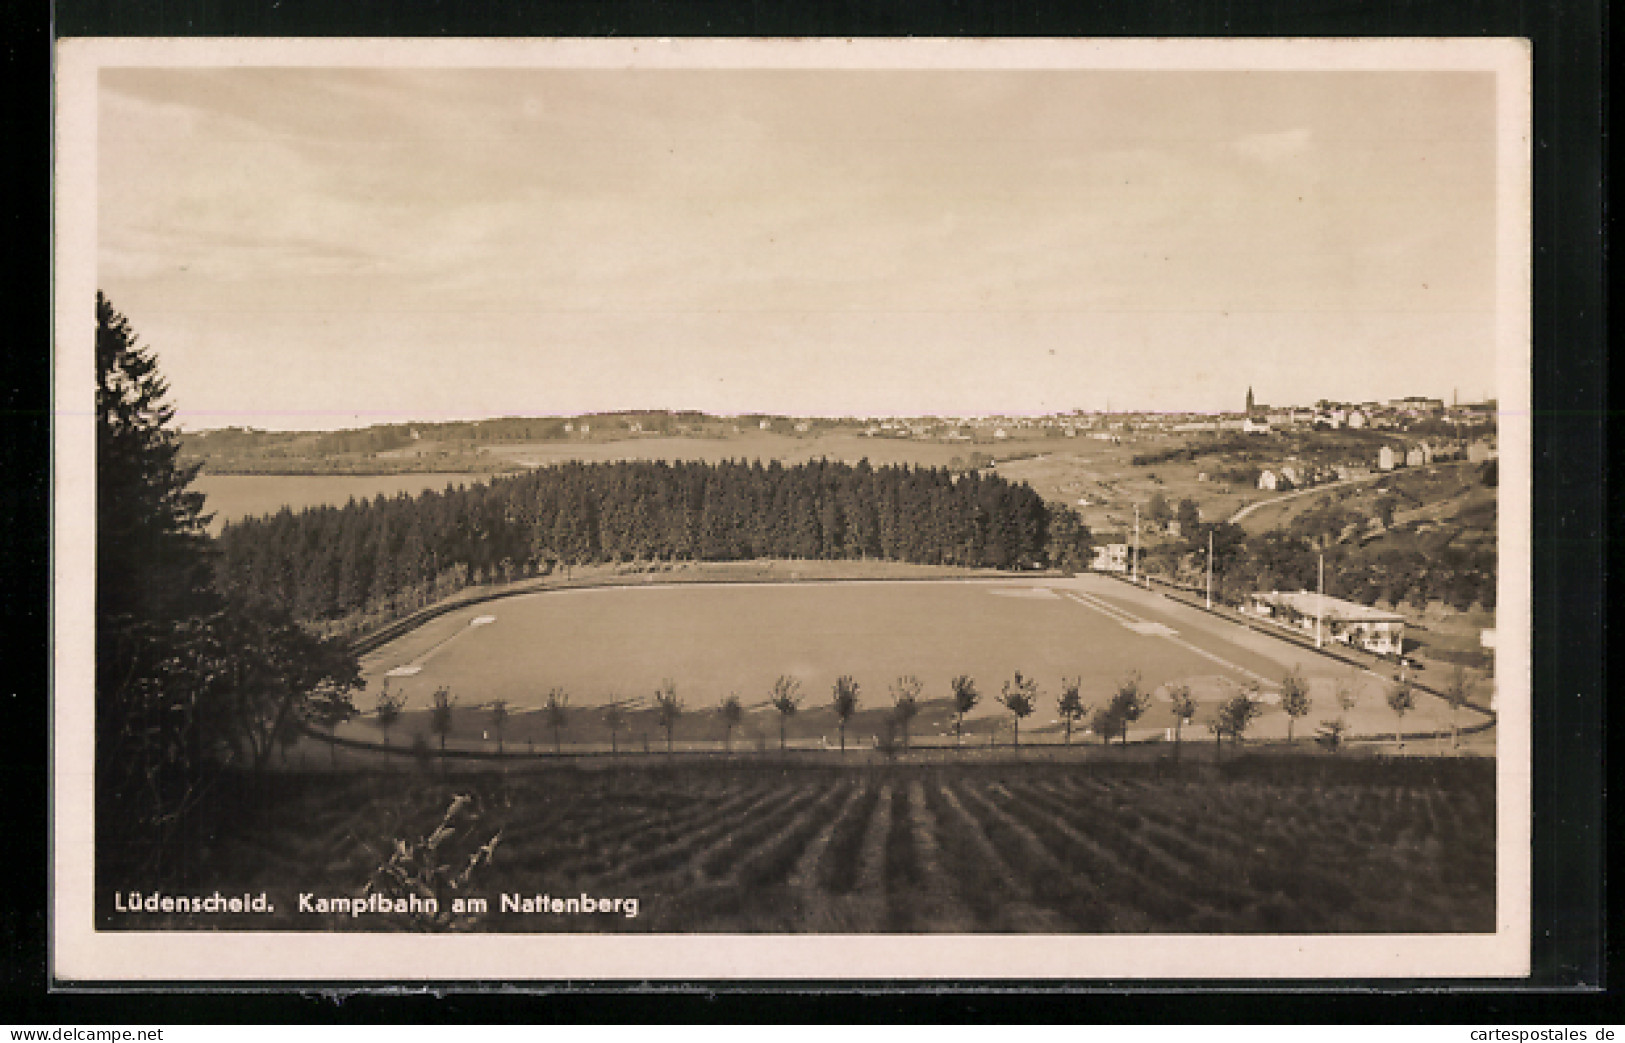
[(1268, 844)]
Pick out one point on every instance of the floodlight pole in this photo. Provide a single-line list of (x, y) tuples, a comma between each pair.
[(1134, 555), (1210, 570), (1320, 603)]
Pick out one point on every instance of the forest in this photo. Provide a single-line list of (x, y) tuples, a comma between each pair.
[(326, 562)]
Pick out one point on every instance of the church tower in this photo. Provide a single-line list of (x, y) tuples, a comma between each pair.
[(1249, 401)]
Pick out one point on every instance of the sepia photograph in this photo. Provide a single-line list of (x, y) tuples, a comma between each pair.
[(793, 509)]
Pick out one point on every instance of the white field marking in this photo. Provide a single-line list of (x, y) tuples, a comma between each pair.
[(480, 621), (405, 671), (1144, 627), (1044, 593), (1150, 629)]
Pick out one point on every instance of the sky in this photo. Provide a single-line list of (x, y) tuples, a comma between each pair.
[(316, 248)]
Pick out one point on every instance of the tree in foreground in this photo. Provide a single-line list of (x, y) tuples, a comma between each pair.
[(499, 720), (614, 720), (1019, 696), (1128, 704), (905, 695), (388, 710), (965, 699), (1105, 723), (153, 596), (668, 707), (1183, 705), (440, 718), (331, 709), (557, 709), (1294, 698), (1237, 713), (845, 701), (1071, 705), (1401, 700), (732, 712), (786, 699)]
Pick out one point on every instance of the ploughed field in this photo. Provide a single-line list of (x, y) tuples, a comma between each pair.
[(1261, 844)]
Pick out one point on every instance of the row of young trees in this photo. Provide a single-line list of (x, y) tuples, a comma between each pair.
[(1020, 696), (327, 562)]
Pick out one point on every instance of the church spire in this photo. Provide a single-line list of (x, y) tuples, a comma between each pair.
[(1249, 400)]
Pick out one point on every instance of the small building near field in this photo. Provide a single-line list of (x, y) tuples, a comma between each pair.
[(1347, 622), (1109, 557), (1268, 479)]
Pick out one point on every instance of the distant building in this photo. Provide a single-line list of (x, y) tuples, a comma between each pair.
[(1109, 557), (1480, 451), (1415, 456), (1347, 622), (1254, 426), (1385, 458), (1268, 480), (1356, 419), (766, 425)]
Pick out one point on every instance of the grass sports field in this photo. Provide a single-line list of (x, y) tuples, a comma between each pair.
[(619, 644)]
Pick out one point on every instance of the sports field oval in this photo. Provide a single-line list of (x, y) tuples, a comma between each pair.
[(620, 643)]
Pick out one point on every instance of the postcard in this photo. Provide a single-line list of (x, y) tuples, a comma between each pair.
[(650, 509)]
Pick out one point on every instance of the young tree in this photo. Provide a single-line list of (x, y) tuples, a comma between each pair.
[(732, 712), (846, 703), (1105, 723), (1184, 706), (1401, 700), (557, 708), (1071, 705), (1348, 693), (1294, 698), (499, 720), (388, 710), (441, 704), (1236, 714), (1019, 696), (668, 707), (905, 696), (1158, 509), (1455, 694), (1189, 516), (1128, 704), (330, 711), (1331, 733), (786, 700), (965, 699), (614, 720)]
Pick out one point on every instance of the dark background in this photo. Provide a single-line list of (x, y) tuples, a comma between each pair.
[(1571, 425)]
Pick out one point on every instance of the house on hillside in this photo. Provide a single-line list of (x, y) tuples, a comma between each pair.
[(1385, 458), (1268, 480)]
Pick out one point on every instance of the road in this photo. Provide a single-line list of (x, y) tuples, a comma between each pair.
[(1235, 519)]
